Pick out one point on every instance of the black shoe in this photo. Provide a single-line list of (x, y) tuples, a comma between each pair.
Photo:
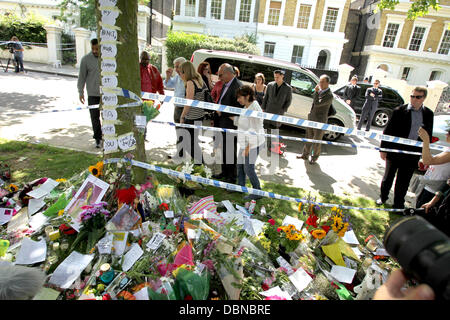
[(98, 143)]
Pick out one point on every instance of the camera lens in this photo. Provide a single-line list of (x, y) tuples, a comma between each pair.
[(423, 251)]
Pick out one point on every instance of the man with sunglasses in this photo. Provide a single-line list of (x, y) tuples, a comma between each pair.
[(405, 123)]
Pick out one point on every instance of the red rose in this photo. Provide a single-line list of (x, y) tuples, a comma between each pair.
[(126, 195), (106, 296), (265, 286), (164, 206), (271, 221), (67, 230), (279, 230), (326, 228)]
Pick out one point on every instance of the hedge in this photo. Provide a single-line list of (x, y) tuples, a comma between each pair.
[(180, 44), (28, 29)]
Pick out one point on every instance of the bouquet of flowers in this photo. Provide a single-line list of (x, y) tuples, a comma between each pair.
[(93, 221)]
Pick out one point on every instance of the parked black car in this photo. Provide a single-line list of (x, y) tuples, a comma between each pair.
[(391, 99)]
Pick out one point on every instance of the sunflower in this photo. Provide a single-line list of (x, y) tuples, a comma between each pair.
[(300, 205), (13, 188), (337, 223), (318, 234), (97, 170), (342, 232)]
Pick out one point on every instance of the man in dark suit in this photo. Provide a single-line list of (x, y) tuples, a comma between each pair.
[(351, 92), (405, 123), (373, 97), (277, 100), (225, 120), (322, 99)]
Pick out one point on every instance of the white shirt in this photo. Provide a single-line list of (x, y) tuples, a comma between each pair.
[(253, 125), (437, 172)]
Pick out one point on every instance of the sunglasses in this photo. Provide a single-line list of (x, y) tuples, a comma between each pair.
[(416, 97)]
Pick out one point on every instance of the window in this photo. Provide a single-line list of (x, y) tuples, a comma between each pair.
[(405, 73), (391, 35), (416, 38), (445, 44), (435, 75), (269, 49), (216, 9), (303, 16), (245, 10), (189, 8), (302, 84), (330, 19), (297, 54), (274, 13)]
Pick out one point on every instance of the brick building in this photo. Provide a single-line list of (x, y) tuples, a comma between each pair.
[(416, 51), (307, 32)]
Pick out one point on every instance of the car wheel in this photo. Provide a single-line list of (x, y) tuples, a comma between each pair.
[(331, 135), (381, 118)]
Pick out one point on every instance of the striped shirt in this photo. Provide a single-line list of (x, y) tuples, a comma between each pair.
[(196, 113)]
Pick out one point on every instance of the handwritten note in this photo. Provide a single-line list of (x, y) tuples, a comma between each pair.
[(294, 221), (342, 274), (34, 205), (110, 81), (131, 257), (156, 241), (109, 65), (5, 215), (32, 251), (107, 3), (109, 130), (109, 114), (140, 121), (44, 189), (300, 279), (107, 34), (126, 141), (109, 99), (70, 269), (109, 50), (110, 145)]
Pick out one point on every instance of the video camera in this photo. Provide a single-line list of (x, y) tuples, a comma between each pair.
[(10, 46), (423, 251)]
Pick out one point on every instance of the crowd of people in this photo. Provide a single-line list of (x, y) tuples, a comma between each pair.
[(240, 152)]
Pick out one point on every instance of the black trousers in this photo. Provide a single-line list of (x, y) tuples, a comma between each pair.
[(229, 151), (95, 117), (424, 197), (404, 170), (176, 119), (193, 147), (270, 126)]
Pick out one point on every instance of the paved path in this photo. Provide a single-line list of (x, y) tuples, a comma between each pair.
[(342, 171)]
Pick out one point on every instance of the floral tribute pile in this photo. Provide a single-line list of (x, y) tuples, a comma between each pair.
[(106, 238)]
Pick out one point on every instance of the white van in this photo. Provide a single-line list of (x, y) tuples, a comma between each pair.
[(301, 80)]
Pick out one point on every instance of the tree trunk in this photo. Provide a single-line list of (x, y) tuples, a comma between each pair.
[(128, 76)]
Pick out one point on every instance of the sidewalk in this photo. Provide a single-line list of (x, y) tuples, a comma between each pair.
[(65, 70)]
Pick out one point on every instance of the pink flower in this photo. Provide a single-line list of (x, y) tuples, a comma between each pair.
[(271, 221), (274, 298)]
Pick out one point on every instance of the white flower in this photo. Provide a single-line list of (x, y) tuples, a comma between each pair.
[(119, 165), (208, 172), (187, 168)]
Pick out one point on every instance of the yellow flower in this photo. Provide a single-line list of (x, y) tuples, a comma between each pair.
[(318, 234), (300, 205), (96, 170), (13, 188), (342, 232), (60, 212), (337, 223), (61, 180)]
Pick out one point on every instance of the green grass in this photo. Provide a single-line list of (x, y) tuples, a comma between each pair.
[(31, 161)]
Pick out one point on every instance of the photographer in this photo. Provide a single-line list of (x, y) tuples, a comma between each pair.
[(18, 50)]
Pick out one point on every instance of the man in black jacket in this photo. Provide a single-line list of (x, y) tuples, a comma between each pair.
[(351, 92), (225, 120), (373, 97), (405, 123), (277, 100)]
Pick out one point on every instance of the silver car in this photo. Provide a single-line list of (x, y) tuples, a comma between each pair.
[(300, 79)]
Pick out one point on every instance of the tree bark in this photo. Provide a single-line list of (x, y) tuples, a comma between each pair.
[(127, 59)]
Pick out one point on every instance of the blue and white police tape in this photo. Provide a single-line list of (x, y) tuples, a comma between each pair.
[(235, 187), (252, 133), (286, 120)]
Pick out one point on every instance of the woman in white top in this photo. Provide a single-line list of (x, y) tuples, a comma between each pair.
[(249, 145), (437, 173)]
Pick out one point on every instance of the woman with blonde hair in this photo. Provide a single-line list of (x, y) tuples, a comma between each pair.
[(195, 90)]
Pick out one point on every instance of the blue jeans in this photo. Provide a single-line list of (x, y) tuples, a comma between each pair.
[(19, 63), (247, 168)]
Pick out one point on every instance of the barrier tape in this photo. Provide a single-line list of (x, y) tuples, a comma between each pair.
[(235, 187), (287, 120), (349, 145)]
